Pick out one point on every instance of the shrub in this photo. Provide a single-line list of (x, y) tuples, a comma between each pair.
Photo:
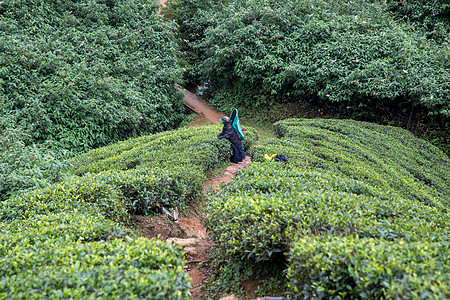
[(385, 156), (161, 169), (25, 167), (65, 240), (344, 179), (353, 268), (88, 73), (58, 228), (351, 57), (433, 15), (87, 195), (193, 146), (133, 269)]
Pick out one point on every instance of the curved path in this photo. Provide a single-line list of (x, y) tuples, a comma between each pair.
[(194, 237), (201, 108), (198, 246)]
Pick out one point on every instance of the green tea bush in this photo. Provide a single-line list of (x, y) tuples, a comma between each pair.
[(343, 179), (259, 217), (87, 194), (59, 228), (88, 73), (65, 240), (193, 146), (24, 167), (161, 169), (126, 269), (386, 156), (353, 268)]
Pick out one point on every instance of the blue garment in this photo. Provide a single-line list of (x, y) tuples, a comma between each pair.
[(229, 133)]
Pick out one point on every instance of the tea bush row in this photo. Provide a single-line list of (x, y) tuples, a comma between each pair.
[(387, 156), (262, 214), (161, 169), (65, 240), (189, 147), (88, 73), (128, 269), (344, 179), (353, 268), (55, 244)]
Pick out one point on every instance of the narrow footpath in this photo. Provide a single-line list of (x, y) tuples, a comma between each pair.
[(190, 232), (205, 113), (197, 245)]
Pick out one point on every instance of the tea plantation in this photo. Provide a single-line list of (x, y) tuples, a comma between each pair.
[(68, 240), (359, 211)]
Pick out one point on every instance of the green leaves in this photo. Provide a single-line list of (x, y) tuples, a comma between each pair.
[(352, 57), (353, 193), (25, 167), (356, 268), (65, 239), (88, 73), (132, 269)]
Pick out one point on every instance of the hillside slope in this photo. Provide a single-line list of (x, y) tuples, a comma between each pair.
[(359, 210)]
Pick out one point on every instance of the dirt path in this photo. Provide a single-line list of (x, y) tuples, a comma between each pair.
[(189, 232), (197, 245), (205, 113)]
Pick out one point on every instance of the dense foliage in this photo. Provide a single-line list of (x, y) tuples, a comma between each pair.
[(161, 169), (351, 56), (87, 73), (65, 240), (351, 192), (59, 243), (433, 15), (24, 166)]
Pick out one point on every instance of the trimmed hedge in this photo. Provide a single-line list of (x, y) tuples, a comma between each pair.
[(343, 179), (66, 241), (353, 268), (388, 157), (59, 228), (133, 269), (166, 168), (190, 146)]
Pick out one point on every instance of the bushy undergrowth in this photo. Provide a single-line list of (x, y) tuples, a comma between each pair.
[(352, 56), (65, 240), (24, 167), (344, 179), (88, 73), (434, 16)]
